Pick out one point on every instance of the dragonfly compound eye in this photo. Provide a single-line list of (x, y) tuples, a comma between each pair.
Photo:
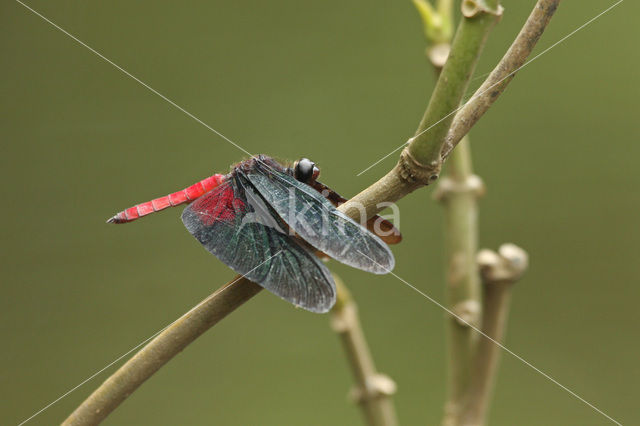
[(305, 170)]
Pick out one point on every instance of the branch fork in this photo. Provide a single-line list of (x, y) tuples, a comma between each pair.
[(502, 74)]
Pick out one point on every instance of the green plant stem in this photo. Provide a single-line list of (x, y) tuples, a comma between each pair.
[(495, 307), (458, 192), (462, 297), (373, 390), (499, 271), (466, 47), (459, 197), (160, 350)]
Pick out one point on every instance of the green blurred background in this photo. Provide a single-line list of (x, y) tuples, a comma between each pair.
[(342, 83)]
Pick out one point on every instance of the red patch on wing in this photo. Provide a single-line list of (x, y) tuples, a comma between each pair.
[(220, 204), (211, 182)]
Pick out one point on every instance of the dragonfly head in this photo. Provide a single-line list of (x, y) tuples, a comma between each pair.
[(305, 170)]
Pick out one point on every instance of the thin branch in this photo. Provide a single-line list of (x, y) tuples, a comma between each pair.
[(373, 390), (420, 161), (466, 402), (160, 350), (459, 192), (499, 272), (393, 186), (410, 174), (502, 74)]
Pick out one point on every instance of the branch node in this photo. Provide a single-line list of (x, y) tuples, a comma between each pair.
[(375, 386), (412, 171), (506, 266), (472, 8), (467, 313), (449, 186)]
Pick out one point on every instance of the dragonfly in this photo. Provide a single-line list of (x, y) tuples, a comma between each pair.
[(275, 224)]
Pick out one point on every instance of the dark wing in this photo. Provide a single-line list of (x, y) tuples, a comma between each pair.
[(228, 222), (318, 222)]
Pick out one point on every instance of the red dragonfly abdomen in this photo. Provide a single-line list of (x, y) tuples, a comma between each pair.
[(184, 196)]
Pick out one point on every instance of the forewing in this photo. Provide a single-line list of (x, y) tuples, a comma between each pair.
[(380, 227), (228, 223), (318, 222)]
